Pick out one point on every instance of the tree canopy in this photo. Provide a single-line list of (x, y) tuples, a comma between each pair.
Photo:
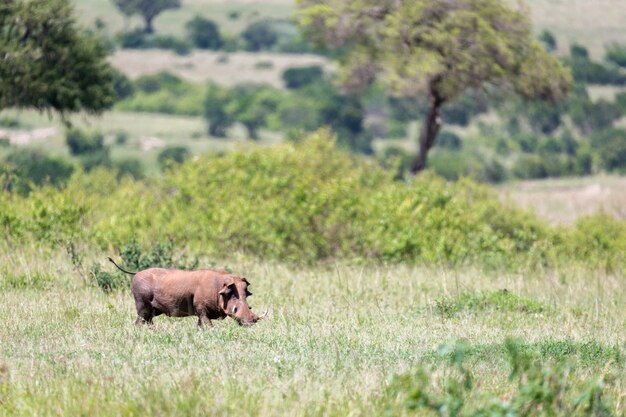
[(147, 9), (438, 48), (47, 62)]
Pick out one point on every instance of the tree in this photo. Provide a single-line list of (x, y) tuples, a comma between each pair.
[(47, 62), (204, 33), (260, 35), (147, 9), (440, 48)]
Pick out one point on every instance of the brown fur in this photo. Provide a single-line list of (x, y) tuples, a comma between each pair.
[(205, 293)]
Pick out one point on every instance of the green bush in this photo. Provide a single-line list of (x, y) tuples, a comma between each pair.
[(299, 77), (178, 46), (138, 39), (260, 35), (616, 54), (204, 33), (539, 388), (449, 140), (165, 93), (172, 155), (24, 168), (81, 142), (303, 203), (548, 40), (129, 166), (530, 167), (611, 147)]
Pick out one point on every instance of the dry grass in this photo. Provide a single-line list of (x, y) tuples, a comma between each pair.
[(222, 68), (562, 201), (593, 23)]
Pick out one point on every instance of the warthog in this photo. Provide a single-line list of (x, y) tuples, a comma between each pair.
[(206, 293)]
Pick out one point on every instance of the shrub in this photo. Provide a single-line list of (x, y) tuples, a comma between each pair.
[(337, 206), (540, 388), (81, 142), (611, 146), (10, 122), (530, 167), (260, 35), (135, 257), (178, 46), (161, 81), (449, 140), (123, 85), (165, 93), (129, 166), (203, 33), (32, 166), (461, 111), (589, 116), (299, 77), (172, 155), (136, 39), (616, 54), (548, 40), (215, 112)]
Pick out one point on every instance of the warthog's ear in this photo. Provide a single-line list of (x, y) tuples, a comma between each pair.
[(226, 292)]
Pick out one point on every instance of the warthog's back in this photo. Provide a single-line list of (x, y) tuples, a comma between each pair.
[(175, 292)]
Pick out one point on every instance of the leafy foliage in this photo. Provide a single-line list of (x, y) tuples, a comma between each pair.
[(539, 389), (437, 48), (616, 54), (260, 35), (204, 33), (299, 77), (23, 169), (172, 155), (48, 63), (337, 207), (147, 9)]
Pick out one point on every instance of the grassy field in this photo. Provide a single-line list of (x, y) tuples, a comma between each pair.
[(201, 66), (334, 338)]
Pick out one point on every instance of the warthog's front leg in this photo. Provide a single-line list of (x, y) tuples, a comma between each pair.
[(204, 320)]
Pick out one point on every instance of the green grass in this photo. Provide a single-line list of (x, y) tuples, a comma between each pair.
[(334, 337)]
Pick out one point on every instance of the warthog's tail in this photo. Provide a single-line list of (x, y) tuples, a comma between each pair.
[(120, 268)]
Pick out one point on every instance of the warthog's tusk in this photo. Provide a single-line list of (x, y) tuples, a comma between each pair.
[(262, 315)]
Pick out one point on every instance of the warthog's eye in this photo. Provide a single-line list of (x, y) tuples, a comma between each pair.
[(234, 309)]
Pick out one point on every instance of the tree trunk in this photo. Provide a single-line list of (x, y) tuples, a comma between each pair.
[(431, 127), (148, 28)]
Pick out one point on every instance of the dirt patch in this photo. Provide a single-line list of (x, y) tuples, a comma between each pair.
[(27, 137)]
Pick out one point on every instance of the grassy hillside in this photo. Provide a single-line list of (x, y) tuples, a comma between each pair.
[(592, 23)]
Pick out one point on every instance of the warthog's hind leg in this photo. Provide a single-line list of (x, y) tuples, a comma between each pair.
[(145, 311)]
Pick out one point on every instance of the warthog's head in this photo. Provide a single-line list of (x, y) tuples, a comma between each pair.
[(233, 296)]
